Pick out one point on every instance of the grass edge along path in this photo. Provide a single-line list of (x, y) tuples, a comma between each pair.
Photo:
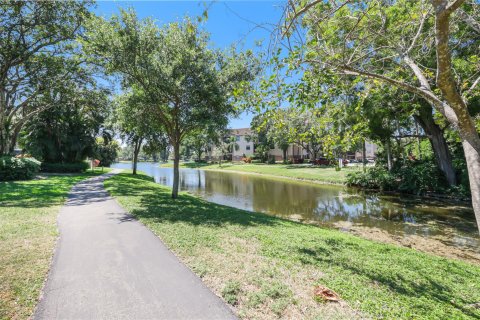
[(267, 267), (302, 172), (28, 233)]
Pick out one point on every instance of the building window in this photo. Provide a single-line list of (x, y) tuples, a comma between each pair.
[(238, 138), (248, 147)]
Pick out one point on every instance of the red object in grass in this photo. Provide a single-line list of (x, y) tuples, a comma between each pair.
[(325, 294), (95, 162)]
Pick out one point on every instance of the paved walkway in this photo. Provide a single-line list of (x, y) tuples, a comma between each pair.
[(107, 265)]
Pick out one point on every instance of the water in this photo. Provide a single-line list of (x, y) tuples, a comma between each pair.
[(346, 208)]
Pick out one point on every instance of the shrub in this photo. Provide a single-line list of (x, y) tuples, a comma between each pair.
[(271, 160), (58, 167), (419, 177), (21, 168), (416, 177), (373, 178)]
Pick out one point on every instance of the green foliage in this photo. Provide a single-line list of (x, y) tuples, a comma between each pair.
[(419, 177), (37, 56), (199, 141), (373, 178), (415, 177), (66, 131), (186, 84), (12, 168), (62, 167), (106, 151)]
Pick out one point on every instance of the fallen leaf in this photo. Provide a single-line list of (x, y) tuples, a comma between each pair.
[(325, 294)]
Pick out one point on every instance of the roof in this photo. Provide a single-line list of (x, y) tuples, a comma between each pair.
[(241, 131)]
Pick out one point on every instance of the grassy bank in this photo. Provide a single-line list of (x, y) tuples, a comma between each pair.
[(28, 211), (268, 267), (293, 171)]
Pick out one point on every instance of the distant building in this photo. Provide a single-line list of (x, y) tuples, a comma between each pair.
[(245, 147), (371, 150)]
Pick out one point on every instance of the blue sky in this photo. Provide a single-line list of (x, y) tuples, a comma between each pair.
[(228, 22)]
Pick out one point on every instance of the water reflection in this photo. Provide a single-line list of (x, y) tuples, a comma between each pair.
[(454, 225)]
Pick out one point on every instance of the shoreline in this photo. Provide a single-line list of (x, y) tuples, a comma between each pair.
[(439, 197)]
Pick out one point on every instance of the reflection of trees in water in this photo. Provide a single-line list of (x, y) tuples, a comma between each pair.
[(323, 203), (355, 208)]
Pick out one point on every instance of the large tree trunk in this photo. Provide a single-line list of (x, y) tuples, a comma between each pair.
[(176, 172), (471, 149), (446, 82), (438, 142), (285, 155)]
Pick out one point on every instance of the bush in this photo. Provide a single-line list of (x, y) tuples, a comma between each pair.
[(415, 177), (12, 168), (58, 167), (373, 178), (271, 160)]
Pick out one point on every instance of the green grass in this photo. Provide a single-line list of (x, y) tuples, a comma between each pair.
[(28, 211), (292, 171), (268, 267)]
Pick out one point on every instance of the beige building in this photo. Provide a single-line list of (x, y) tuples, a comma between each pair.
[(246, 148)]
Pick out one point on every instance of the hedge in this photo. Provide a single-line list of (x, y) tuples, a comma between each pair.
[(59, 167), (12, 168)]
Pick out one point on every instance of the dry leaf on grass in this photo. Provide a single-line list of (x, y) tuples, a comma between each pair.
[(324, 294)]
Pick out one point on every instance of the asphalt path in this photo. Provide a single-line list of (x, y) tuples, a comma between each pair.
[(107, 265)]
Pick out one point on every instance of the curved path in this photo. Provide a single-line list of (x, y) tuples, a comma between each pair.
[(107, 265)]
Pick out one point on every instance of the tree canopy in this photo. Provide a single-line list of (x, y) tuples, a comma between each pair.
[(186, 83)]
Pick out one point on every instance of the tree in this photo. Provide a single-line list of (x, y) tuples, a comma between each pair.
[(106, 150), (279, 130), (224, 144), (200, 140), (66, 131), (156, 146), (187, 84), (389, 43), (135, 124), (35, 56), (262, 144)]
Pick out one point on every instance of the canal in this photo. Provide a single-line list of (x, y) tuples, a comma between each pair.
[(429, 225)]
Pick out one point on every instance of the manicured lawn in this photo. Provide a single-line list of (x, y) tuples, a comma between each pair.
[(267, 267), (304, 172), (28, 211)]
